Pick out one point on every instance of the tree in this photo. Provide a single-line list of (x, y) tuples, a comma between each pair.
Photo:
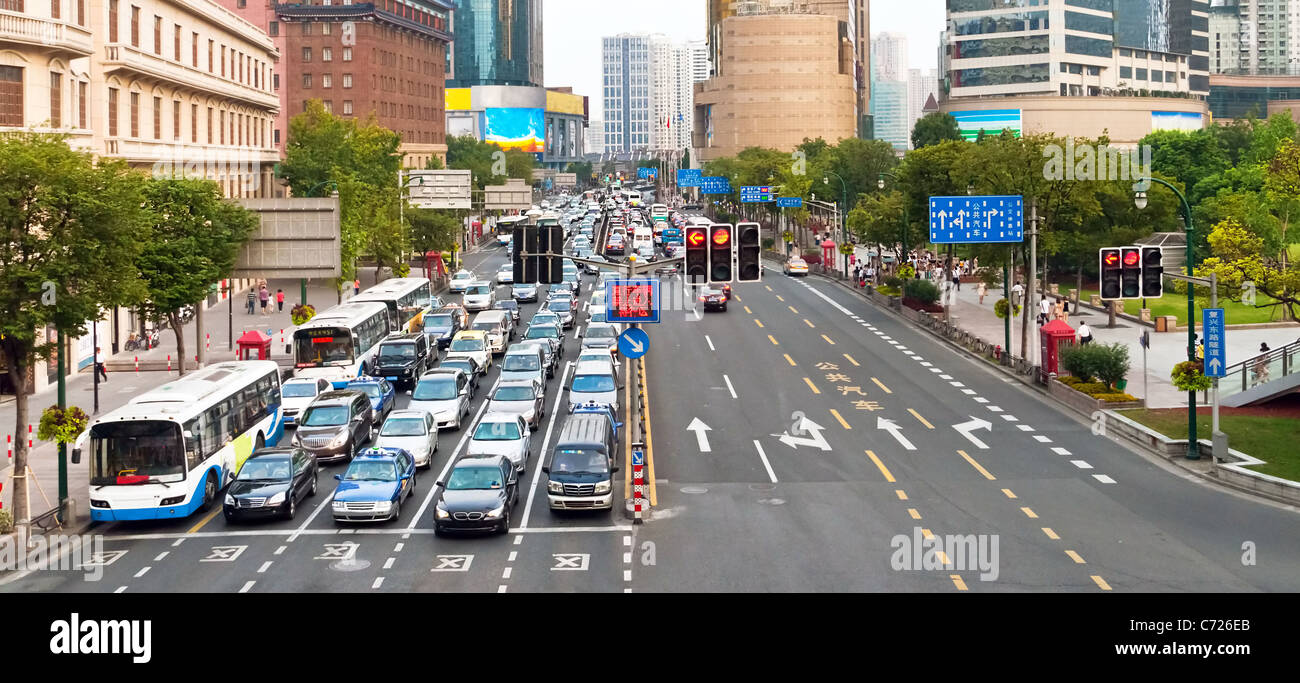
[(71, 230), (434, 164), (194, 238), (934, 128), (1241, 257), (468, 153), (433, 230), (520, 165), (582, 169)]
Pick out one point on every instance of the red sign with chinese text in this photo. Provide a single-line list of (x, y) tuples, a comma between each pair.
[(632, 301)]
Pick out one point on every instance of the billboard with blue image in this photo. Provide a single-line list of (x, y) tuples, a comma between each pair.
[(515, 128)]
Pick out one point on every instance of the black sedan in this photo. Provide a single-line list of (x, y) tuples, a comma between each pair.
[(713, 299), (477, 496), (270, 484)]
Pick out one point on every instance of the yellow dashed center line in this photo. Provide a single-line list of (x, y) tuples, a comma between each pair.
[(809, 323), (852, 361), (812, 386), (780, 298), (828, 340), (943, 557), (1029, 513), (923, 420), (977, 466), (773, 339), (1101, 583), (748, 311), (926, 533), (957, 581), (884, 471), (1008, 493), (793, 310), (902, 495), (913, 513), (768, 287), (737, 297), (882, 386), (843, 424), (787, 357), (1051, 534), (758, 322), (1075, 556), (205, 520)]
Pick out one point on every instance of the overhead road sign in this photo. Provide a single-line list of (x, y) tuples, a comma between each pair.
[(719, 184), (789, 202), (755, 193), (1216, 346), (647, 172), (632, 301), (689, 177), (977, 219)]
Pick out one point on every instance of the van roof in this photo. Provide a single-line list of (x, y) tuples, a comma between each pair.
[(490, 314), (584, 430), (592, 367)]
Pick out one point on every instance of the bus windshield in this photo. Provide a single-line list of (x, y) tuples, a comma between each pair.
[(322, 346), (136, 452)]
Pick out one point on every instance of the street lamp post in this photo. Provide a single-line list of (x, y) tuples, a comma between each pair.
[(403, 181), (880, 184), (843, 213), (1140, 200)]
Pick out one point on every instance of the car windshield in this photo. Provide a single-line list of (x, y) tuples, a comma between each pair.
[(441, 321), (404, 426), (478, 289), (485, 326), (464, 364), (436, 389), (601, 332), (463, 276), (398, 352), (513, 394), (521, 361), (542, 332), (371, 471), (371, 390), (325, 416), (579, 462), (467, 345), (560, 305), (298, 389), (474, 478), (593, 383), (506, 305), (265, 469), (497, 431)]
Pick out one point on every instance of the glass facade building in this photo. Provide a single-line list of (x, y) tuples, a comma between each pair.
[(498, 42)]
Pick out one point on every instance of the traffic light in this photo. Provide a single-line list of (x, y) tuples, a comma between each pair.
[(1153, 271), (1131, 275), (551, 268), (1110, 273), (697, 254), (749, 253), (545, 244), (720, 251), (524, 241)]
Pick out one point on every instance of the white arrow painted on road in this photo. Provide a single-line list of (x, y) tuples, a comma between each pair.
[(701, 434), (895, 431), (966, 428), (806, 426)]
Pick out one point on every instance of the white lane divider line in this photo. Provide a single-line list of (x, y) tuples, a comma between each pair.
[(120, 589), (945, 376), (1026, 428), (160, 556), (995, 409), (1103, 479), (1042, 439), (926, 364), (142, 572), (729, 387), (968, 392), (957, 384), (771, 475), (178, 542), (981, 399), (1060, 451), (398, 548), (1010, 418), (379, 581), (280, 550), (505, 573), (1081, 464), (936, 370), (519, 539), (388, 564), (265, 566), (247, 587), (710, 341)]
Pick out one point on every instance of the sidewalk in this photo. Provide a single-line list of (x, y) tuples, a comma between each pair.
[(1167, 349)]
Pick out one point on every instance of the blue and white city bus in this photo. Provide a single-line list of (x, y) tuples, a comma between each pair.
[(169, 451), (340, 343)]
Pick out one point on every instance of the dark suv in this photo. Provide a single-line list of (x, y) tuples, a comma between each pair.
[(402, 358), (441, 325), (335, 425)]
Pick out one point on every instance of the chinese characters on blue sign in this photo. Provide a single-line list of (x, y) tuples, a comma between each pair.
[(719, 184), (689, 177), (755, 193), (646, 172), (976, 219), (789, 202), (1216, 352)]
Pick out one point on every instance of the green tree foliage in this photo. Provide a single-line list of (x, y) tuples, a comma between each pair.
[(434, 164), (1240, 257), (72, 229), (934, 128), (433, 230), (194, 238)]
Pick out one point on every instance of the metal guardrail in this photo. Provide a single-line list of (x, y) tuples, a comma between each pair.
[(1260, 369)]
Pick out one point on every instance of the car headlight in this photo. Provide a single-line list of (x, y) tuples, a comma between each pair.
[(339, 440), (441, 512), (230, 500), (493, 514), (297, 439), (338, 505), (383, 506), (276, 499), (602, 487), (554, 487)]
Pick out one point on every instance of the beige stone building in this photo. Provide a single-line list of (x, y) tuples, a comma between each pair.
[(780, 78)]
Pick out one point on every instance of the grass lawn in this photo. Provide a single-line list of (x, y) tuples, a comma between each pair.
[(1271, 439), (1176, 304)]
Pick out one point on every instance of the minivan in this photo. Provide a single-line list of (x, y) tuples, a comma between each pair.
[(499, 326), (594, 381), (580, 472), (524, 361), (335, 424)]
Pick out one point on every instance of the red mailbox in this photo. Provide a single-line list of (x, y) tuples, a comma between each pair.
[(254, 342), (1055, 336)]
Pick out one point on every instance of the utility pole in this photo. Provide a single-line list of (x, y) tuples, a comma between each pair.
[(24, 515), (1033, 274)]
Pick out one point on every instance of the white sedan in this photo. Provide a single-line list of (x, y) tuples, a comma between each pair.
[(461, 280), (506, 275)]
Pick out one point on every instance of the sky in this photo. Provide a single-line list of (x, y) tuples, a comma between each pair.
[(574, 28)]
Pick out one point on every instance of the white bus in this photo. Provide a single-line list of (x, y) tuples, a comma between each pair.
[(633, 197), (339, 344), (406, 298), (658, 212), (506, 228), (169, 451)]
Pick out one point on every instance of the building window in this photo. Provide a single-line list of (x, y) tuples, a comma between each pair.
[(306, 55), (194, 123), (194, 49), (325, 29), (326, 81), (273, 29), (306, 80), (347, 107), (1141, 74), (329, 106), (326, 54), (135, 114), (81, 105), (55, 8), (56, 99), (275, 81), (347, 54), (176, 120), (112, 112), (347, 80), (81, 12), (223, 61), (209, 125), (209, 56), (177, 41), (135, 26), (157, 34), (242, 4), (112, 21), (1126, 72), (275, 136), (157, 118), (306, 28)]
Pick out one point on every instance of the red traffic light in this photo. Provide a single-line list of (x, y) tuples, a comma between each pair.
[(1131, 258), (1110, 258), (721, 236), (695, 237)]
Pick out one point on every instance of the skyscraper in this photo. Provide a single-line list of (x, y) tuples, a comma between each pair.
[(498, 42), (889, 56), (625, 60), (1260, 37), (921, 85)]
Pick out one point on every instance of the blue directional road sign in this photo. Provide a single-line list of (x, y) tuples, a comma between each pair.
[(633, 343), (689, 177), (977, 219), (755, 193), (632, 301), (638, 457), (789, 202), (715, 184), (646, 172), (1216, 342)]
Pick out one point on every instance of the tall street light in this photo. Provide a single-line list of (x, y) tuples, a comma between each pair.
[(1140, 200), (844, 208), (880, 184)]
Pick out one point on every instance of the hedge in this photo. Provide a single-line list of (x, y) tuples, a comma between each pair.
[(1114, 398)]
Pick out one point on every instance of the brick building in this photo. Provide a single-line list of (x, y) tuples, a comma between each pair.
[(387, 57)]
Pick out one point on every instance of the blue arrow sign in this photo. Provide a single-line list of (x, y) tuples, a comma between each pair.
[(1213, 326), (689, 177), (638, 458), (633, 343), (755, 193), (789, 202), (719, 184), (977, 219)]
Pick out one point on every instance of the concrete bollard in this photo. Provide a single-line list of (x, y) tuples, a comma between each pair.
[(1074, 296), (1095, 300), (1145, 315)]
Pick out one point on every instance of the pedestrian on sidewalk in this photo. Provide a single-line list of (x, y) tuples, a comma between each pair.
[(981, 289), (956, 279), (1016, 291), (1085, 334), (99, 364), (252, 299), (1044, 310), (264, 295), (279, 299), (356, 286)]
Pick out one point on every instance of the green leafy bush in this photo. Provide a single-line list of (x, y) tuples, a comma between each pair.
[(6, 522), (888, 291), (1000, 308), (1189, 376), (768, 242), (1092, 388), (923, 291), (1115, 398), (1069, 380), (402, 270), (906, 271), (62, 426), (894, 282), (1107, 362), (302, 313)]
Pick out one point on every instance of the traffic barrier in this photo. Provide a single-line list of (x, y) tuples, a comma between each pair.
[(137, 365), (2, 500), (169, 362), (9, 448), (638, 481), (208, 343), (30, 442), (282, 335)]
